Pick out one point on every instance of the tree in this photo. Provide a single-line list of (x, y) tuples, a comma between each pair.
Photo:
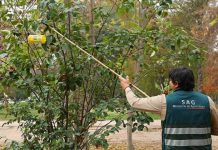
[(198, 18), (210, 75), (68, 91)]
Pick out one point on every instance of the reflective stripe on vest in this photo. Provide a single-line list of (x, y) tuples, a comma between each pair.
[(190, 142), (187, 130)]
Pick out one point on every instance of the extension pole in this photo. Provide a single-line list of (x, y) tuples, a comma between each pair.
[(91, 56)]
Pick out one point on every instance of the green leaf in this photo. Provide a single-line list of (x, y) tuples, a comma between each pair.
[(21, 3), (25, 23), (79, 81), (134, 129), (178, 42), (213, 22), (152, 54), (173, 47), (5, 32), (169, 1), (141, 127), (118, 122), (164, 13), (35, 26)]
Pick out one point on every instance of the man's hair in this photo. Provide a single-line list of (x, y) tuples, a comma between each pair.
[(184, 77)]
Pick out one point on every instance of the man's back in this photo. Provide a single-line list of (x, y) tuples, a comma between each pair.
[(188, 122)]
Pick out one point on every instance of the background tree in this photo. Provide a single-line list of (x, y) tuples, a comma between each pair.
[(211, 78), (199, 18)]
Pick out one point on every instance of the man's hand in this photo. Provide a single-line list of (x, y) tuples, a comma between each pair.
[(124, 82)]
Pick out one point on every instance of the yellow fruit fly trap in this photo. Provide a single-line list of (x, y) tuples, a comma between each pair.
[(32, 39)]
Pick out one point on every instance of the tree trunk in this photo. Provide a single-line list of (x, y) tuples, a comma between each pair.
[(140, 14), (129, 130), (200, 77)]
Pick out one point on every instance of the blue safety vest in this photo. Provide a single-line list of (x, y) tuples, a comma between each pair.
[(187, 125)]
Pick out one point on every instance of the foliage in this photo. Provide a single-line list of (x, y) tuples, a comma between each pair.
[(160, 47)]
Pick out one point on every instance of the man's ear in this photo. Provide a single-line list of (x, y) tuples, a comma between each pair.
[(176, 84)]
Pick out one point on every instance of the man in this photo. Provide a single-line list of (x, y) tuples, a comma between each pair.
[(188, 118)]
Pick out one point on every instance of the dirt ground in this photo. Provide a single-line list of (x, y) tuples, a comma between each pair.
[(144, 140)]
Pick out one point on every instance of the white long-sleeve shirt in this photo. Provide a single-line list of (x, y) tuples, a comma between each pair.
[(157, 104)]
